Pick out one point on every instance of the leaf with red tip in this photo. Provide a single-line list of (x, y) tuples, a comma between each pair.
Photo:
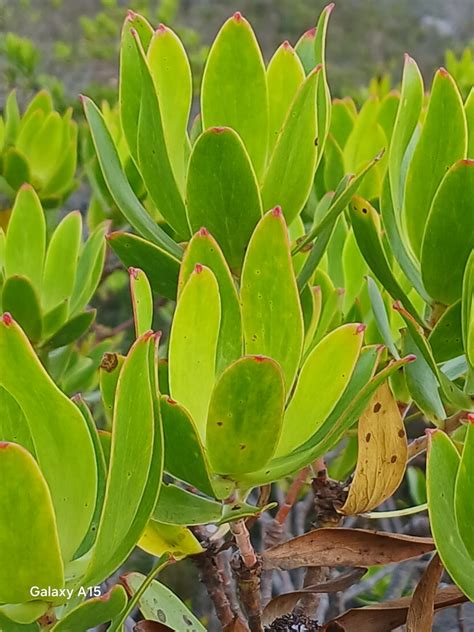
[(142, 301), (171, 73), (285, 74), (193, 345), (442, 142), (94, 612), (305, 50), (289, 177), (204, 249), (62, 441), (109, 371), (271, 310), (234, 89), (222, 192), (29, 547), (245, 416), (327, 371)]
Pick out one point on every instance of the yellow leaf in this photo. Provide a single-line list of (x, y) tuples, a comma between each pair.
[(383, 454), (159, 538)]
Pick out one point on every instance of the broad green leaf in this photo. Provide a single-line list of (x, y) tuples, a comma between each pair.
[(158, 539), (185, 458), (343, 118), (289, 177), (7, 625), (93, 612), (245, 415), (306, 51), (12, 118), (234, 89), (153, 158), (142, 301), (441, 473), (271, 310), (381, 316), (109, 372), (28, 534), (160, 267), (177, 506), (55, 318), (23, 614), (89, 269), (463, 492), (222, 192), (118, 185), (388, 113), (20, 298), (158, 603), (130, 84), (382, 455), (15, 170), (469, 109), (446, 336), (26, 237), (422, 382), (333, 164), (13, 423), (366, 225), (443, 141), (409, 109), (203, 249), (63, 446), (171, 73), (327, 371), (449, 234), (72, 330), (61, 261), (130, 459), (468, 310), (193, 344), (285, 74)]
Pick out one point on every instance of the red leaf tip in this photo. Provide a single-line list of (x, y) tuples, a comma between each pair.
[(429, 432), (443, 72), (26, 187), (411, 357), (218, 130), (310, 33), (4, 445), (171, 401), (131, 15), (470, 418), (133, 272), (468, 162), (203, 232), (237, 16), (361, 328), (277, 212), (198, 268), (148, 334), (286, 45), (162, 29), (7, 319), (259, 358)]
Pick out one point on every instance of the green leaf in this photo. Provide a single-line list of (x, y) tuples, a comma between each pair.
[(468, 310), (446, 336), (171, 73), (449, 234), (234, 89), (463, 492), (343, 117), (13, 423), (27, 528), (469, 109), (443, 141), (305, 50), (178, 507), (130, 459), (142, 301), (203, 249), (153, 158), (409, 110), (62, 442), (109, 372), (366, 225), (15, 170), (89, 269), (327, 371), (130, 84), (61, 261), (26, 237), (285, 74), (160, 267), (118, 185), (10, 626), (161, 539), (381, 317), (185, 458), (93, 612), (245, 415), (441, 473), (323, 95), (289, 177), (20, 298), (221, 183), (158, 603), (72, 330), (271, 310), (193, 344)]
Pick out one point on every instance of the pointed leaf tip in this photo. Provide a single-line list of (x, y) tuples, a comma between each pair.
[(361, 328), (133, 272), (131, 15), (237, 16), (218, 130), (198, 268), (310, 33), (277, 212), (171, 401), (162, 29), (203, 232), (4, 445), (148, 334), (7, 319), (410, 358), (286, 45), (443, 72)]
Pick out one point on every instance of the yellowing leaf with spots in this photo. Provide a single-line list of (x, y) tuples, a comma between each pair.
[(382, 454)]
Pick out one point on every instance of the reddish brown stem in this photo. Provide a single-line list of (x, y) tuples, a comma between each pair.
[(292, 495)]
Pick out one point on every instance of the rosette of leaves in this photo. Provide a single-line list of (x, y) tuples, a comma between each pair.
[(38, 147), (47, 281), (74, 501)]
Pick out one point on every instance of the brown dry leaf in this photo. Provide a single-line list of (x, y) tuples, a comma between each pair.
[(286, 602), (237, 625), (345, 547), (420, 613), (387, 616), (383, 454), (152, 626)]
